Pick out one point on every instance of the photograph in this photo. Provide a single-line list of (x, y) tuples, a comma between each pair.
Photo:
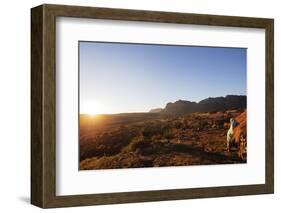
[(140, 105), (146, 105)]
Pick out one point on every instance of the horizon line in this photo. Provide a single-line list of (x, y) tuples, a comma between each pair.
[(140, 112)]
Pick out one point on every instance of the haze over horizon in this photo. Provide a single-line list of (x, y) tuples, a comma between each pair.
[(160, 107), (120, 78)]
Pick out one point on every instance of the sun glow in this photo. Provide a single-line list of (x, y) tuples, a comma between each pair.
[(93, 108)]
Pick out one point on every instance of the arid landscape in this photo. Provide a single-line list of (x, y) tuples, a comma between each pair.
[(182, 133)]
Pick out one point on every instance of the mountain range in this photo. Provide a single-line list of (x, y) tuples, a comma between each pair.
[(211, 104)]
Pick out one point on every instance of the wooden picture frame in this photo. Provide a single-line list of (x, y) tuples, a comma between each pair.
[(43, 105)]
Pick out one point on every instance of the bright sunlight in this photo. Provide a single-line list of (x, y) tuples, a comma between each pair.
[(93, 108)]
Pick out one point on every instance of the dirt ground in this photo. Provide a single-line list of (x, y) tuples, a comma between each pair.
[(138, 140)]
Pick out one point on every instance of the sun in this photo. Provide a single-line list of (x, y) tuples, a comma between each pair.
[(92, 108)]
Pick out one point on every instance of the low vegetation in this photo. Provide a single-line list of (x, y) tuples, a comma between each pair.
[(155, 140)]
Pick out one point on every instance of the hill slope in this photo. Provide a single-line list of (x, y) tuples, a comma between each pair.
[(207, 105)]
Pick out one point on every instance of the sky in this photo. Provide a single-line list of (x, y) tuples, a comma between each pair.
[(124, 77)]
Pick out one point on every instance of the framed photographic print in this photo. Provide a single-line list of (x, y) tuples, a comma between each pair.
[(136, 106)]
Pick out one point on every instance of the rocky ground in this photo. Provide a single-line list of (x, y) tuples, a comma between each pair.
[(154, 140)]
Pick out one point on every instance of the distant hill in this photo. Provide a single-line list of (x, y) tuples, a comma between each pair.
[(157, 110), (207, 105)]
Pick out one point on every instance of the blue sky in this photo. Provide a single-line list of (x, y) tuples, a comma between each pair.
[(121, 77)]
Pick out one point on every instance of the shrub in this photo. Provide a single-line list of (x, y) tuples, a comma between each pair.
[(134, 144)]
